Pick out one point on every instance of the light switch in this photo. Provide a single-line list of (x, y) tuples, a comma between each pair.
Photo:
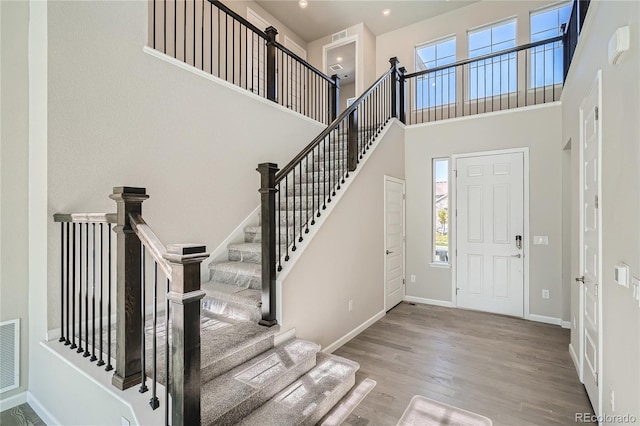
[(621, 275), (541, 240)]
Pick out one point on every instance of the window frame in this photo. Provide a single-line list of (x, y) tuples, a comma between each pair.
[(451, 97), (511, 57), (434, 261)]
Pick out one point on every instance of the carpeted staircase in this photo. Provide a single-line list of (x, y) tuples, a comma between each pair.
[(259, 383)]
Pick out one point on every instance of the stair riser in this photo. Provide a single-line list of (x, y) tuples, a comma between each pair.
[(237, 279), (328, 403), (233, 310), (233, 416), (250, 237), (245, 256), (234, 359)]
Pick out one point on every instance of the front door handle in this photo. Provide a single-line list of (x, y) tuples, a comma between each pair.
[(580, 279), (389, 252), (517, 255)]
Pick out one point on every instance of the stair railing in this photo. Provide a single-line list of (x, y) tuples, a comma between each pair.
[(292, 198), (87, 260), (213, 38)]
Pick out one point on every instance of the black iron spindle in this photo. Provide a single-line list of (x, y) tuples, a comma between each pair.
[(67, 342), (80, 349), (61, 339), (167, 355), (86, 353), (101, 360), (73, 289), (143, 285), (109, 367), (93, 293), (154, 402)]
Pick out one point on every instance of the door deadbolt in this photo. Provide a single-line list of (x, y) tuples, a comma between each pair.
[(519, 242), (389, 252)]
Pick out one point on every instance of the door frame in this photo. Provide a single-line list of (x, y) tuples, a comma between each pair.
[(341, 42), (596, 83), (453, 191), (387, 178)]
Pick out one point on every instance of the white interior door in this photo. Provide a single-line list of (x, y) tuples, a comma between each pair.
[(490, 218), (591, 248), (394, 241), (259, 54)]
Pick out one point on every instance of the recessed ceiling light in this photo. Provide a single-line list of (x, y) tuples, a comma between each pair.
[(339, 59), (303, 3), (385, 12)]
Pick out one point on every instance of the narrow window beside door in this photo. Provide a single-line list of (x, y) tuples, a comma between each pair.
[(441, 210)]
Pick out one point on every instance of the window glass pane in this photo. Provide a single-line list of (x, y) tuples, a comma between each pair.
[(441, 210), (546, 60), (438, 87)]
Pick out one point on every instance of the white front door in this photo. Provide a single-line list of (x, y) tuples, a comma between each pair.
[(591, 249), (490, 233), (394, 241)]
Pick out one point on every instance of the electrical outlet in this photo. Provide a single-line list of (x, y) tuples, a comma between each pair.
[(413, 278), (545, 293), (350, 305), (612, 399)]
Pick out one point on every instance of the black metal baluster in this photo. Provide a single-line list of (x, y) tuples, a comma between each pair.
[(233, 51), (302, 206), (279, 228), (343, 135), (93, 293), (184, 31), (86, 353), (218, 13), (154, 402), (73, 290), (167, 355), (154, 24), (328, 167), (143, 285), (175, 28), (202, 39), (306, 183), (164, 32), (324, 172), (67, 342), (211, 38), (313, 185), (335, 164), (293, 201), (286, 216), (194, 34), (226, 46), (101, 360), (109, 367), (80, 349), (61, 339)]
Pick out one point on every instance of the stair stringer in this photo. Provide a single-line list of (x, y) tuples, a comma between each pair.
[(237, 236)]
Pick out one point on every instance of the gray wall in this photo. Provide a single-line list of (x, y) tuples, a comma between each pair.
[(14, 179), (539, 129), (620, 204)]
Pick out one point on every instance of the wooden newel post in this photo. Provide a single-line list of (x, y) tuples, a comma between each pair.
[(185, 295), (128, 288), (268, 217), (335, 97), (402, 111), (271, 63), (352, 141), (394, 86)]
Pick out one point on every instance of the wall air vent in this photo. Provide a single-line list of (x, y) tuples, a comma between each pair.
[(9, 355), (337, 36), (335, 67)]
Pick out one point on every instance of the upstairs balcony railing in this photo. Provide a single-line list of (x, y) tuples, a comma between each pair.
[(526, 75), (213, 38)]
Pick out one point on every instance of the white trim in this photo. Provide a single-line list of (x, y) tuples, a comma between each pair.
[(236, 236), (387, 178), (545, 319), (576, 361), (567, 325), (41, 411), (443, 265), (170, 59), (341, 42), (253, 17), (453, 223), (313, 230), (283, 336), (353, 333), (425, 301), (13, 401)]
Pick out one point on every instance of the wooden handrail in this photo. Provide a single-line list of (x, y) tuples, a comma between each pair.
[(85, 217), (151, 241)]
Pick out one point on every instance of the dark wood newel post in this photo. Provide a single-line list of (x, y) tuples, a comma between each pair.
[(185, 296), (271, 63), (268, 217), (352, 141), (128, 288), (394, 86), (401, 113), (335, 97)]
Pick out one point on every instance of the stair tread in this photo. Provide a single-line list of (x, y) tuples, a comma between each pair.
[(250, 384), (238, 267), (222, 291), (310, 397), (252, 247)]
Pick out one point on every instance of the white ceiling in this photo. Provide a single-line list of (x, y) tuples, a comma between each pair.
[(325, 17), (348, 54)]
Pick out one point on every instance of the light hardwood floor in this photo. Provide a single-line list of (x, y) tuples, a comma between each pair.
[(513, 371)]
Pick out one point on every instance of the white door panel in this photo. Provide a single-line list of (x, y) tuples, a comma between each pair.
[(591, 251), (394, 241), (490, 208)]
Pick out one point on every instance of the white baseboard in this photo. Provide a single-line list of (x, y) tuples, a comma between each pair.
[(353, 333), (44, 414), (13, 401), (426, 301), (284, 336), (567, 324), (575, 360), (545, 319)]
